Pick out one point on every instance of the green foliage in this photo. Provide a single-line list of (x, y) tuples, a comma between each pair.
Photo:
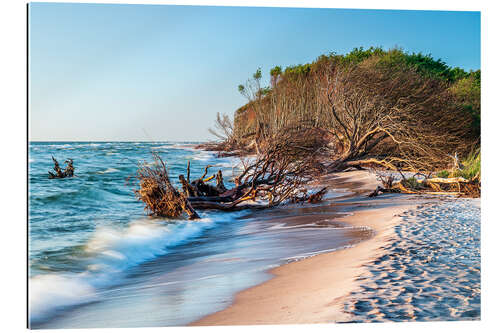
[(303, 85), (264, 91), (252, 89), (468, 93), (443, 174), (426, 65), (411, 183), (358, 54), (457, 73), (471, 166), (275, 71), (397, 57), (465, 86), (298, 70), (258, 74)]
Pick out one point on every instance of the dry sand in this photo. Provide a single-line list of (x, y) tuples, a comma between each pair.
[(432, 271), (314, 290)]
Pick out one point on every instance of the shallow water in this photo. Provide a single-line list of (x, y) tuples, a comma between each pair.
[(96, 260)]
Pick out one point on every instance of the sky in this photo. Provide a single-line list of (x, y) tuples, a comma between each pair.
[(101, 72)]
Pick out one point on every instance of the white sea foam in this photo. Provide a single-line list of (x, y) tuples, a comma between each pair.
[(108, 170), (112, 251), (183, 146), (229, 162), (163, 147), (60, 145), (221, 162), (204, 156), (51, 291)]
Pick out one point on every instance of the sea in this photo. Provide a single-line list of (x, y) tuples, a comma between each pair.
[(96, 259)]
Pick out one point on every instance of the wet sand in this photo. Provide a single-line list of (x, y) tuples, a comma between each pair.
[(232, 252), (315, 290)]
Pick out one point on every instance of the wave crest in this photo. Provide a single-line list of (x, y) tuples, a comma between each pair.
[(112, 251)]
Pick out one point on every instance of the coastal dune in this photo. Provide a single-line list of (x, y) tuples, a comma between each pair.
[(315, 289)]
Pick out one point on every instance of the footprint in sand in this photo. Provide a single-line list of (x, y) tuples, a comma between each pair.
[(431, 270)]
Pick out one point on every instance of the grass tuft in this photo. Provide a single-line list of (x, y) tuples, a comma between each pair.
[(471, 166)]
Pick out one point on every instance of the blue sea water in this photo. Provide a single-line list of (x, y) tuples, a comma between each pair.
[(97, 260)]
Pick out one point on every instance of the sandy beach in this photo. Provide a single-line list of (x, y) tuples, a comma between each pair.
[(323, 288), (431, 271)]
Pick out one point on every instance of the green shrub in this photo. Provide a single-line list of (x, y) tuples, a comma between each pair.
[(443, 174), (411, 183), (296, 97), (467, 91), (471, 166)]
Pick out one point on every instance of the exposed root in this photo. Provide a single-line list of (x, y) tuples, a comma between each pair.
[(437, 186), (279, 174), (68, 171), (157, 192)]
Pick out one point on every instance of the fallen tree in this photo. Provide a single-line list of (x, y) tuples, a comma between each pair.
[(157, 192), (279, 174), (428, 185), (68, 171)]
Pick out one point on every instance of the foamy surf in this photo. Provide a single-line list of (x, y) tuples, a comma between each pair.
[(112, 251), (52, 291), (182, 146), (108, 170), (129, 269)]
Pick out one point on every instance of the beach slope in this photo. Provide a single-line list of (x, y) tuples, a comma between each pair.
[(314, 290)]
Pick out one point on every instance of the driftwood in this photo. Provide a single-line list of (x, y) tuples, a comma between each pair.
[(157, 192), (313, 198), (446, 180), (68, 171), (278, 174), (379, 190), (437, 186)]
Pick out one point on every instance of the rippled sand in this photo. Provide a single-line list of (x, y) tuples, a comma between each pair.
[(430, 271)]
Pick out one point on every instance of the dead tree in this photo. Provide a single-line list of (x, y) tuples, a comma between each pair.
[(428, 185), (158, 193), (68, 171), (277, 175), (392, 118)]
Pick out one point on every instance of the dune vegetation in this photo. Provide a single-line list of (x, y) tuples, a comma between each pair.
[(398, 110), (373, 108)]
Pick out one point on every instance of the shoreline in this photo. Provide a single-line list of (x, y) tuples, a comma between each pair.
[(313, 290), (359, 274)]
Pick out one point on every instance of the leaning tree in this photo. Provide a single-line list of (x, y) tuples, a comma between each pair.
[(279, 173), (392, 116)]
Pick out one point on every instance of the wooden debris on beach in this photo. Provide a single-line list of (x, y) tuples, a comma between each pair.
[(436, 185), (310, 198), (158, 193), (278, 174), (68, 171)]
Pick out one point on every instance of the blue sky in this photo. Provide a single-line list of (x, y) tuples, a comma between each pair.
[(157, 72)]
